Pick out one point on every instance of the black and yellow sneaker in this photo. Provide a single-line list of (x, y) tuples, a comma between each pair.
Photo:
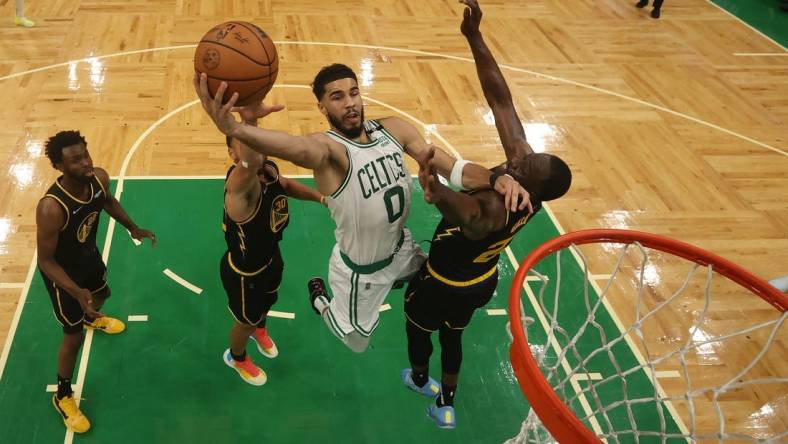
[(108, 325), (72, 416)]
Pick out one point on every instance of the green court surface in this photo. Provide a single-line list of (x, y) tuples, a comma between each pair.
[(163, 380), (764, 15)]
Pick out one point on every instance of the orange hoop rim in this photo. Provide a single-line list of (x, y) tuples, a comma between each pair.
[(554, 414)]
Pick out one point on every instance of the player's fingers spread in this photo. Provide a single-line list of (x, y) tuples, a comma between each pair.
[(230, 103), (217, 98)]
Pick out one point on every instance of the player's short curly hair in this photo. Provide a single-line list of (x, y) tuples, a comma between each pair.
[(55, 144), (329, 74)]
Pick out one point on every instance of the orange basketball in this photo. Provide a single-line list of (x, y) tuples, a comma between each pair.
[(240, 54)]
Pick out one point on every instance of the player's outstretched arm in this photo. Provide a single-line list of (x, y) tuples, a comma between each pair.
[(296, 189), (311, 151), (116, 211), (243, 179), (475, 215), (468, 175), (497, 93), (50, 218)]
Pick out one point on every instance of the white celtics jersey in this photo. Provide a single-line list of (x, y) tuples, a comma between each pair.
[(372, 204)]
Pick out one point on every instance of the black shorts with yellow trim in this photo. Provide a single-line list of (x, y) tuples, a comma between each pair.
[(91, 274), (250, 295), (432, 303)]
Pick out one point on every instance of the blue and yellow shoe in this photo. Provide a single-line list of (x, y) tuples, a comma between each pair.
[(443, 416), (431, 389), (246, 369)]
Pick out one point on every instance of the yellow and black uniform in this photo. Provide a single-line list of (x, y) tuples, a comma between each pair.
[(251, 268), (460, 274), (76, 251)]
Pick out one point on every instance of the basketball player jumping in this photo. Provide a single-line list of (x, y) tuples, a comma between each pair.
[(255, 216), (461, 272), (359, 165), (74, 274)]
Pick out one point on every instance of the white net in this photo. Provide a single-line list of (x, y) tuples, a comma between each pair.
[(665, 351)]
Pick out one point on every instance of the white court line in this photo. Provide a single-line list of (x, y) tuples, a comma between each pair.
[(83, 363), (600, 277), (450, 57), (761, 54), (138, 318), (136, 242), (497, 311), (557, 349), (613, 315), (746, 24), (9, 340), (385, 307), (665, 373), (536, 278), (170, 274), (281, 314), (588, 377), (5, 285)]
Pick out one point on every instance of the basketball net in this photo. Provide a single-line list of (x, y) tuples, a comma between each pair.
[(681, 364)]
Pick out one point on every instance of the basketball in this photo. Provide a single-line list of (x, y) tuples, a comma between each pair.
[(240, 54)]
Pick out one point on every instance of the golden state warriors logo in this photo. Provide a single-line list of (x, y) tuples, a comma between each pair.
[(519, 223), (279, 213), (86, 226)]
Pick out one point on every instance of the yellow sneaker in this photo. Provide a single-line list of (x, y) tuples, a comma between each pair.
[(24, 21), (72, 416), (108, 325)]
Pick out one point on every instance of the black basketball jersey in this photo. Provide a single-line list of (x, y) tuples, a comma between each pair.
[(253, 242), (76, 242), (456, 260)]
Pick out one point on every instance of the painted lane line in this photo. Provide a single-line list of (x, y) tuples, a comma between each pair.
[(170, 274), (5, 285), (281, 314)]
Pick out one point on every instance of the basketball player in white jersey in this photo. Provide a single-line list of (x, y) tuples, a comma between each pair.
[(359, 165)]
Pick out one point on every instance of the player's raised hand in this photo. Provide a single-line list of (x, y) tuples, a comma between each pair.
[(251, 113), (427, 178), (471, 17), (513, 193), (85, 299), (219, 113)]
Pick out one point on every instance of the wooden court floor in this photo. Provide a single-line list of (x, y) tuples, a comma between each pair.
[(667, 126)]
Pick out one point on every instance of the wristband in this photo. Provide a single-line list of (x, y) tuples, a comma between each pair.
[(456, 172), (494, 178)]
